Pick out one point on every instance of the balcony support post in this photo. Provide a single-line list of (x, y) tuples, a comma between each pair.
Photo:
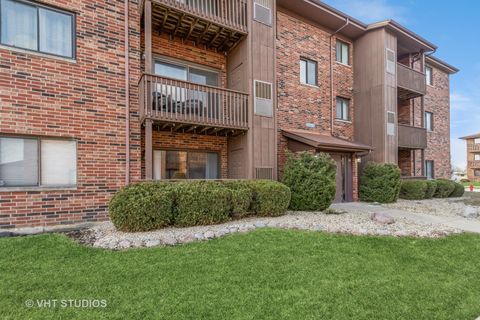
[(148, 36), (148, 149)]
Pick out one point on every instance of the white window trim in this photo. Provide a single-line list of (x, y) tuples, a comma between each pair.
[(255, 99), (41, 187)]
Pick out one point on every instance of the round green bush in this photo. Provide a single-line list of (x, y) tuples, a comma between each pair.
[(142, 207), (380, 183), (431, 188), (201, 203), (459, 191), (270, 198), (413, 189), (444, 188), (241, 197), (311, 179)]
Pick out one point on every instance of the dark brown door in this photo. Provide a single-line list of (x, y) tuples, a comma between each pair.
[(343, 177)]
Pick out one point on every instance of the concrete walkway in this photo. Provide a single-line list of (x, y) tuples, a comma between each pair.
[(467, 225)]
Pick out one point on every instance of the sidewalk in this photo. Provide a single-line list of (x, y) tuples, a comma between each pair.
[(468, 225)]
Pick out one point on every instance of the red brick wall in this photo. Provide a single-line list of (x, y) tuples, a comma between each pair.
[(298, 104), (437, 101), (82, 99)]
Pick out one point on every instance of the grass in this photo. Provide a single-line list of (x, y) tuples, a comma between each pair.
[(266, 274)]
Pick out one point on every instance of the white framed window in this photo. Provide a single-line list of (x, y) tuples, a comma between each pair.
[(342, 52), (476, 141), (390, 123), (429, 75), (430, 169), (33, 162), (429, 121), (308, 72), (263, 98), (477, 157), (31, 26), (476, 173), (343, 109), (391, 64)]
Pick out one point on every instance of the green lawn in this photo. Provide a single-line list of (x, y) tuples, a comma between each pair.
[(266, 274)]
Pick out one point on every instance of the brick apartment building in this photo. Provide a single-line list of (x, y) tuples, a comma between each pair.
[(203, 89), (473, 156)]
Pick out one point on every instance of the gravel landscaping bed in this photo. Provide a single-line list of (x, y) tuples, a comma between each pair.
[(105, 235), (439, 207)]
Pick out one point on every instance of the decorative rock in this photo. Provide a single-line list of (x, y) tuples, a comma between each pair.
[(382, 218), (152, 243), (470, 212), (222, 232), (137, 243), (124, 244), (233, 229), (199, 236), (318, 227), (209, 234), (169, 241), (260, 225)]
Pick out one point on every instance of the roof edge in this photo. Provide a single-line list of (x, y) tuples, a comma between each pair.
[(473, 136), (398, 27), (441, 64)]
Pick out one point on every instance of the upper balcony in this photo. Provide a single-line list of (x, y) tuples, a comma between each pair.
[(474, 147), (218, 24), (411, 137), (183, 106), (474, 164), (410, 83)]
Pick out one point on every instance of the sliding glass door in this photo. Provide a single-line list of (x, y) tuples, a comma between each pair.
[(173, 164)]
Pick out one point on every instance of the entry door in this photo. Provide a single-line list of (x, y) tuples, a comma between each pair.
[(343, 178)]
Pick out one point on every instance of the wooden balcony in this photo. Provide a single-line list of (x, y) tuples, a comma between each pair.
[(474, 147), (183, 106), (411, 83), (474, 164), (411, 137), (219, 24)]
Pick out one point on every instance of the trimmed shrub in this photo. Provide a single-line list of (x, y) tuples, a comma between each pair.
[(444, 188), (201, 203), (458, 191), (311, 179), (270, 198), (241, 198), (413, 189), (431, 188), (142, 207), (380, 183)]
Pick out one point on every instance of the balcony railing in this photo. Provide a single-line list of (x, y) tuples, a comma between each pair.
[(411, 83), (229, 13), (474, 147), (192, 106), (474, 164), (412, 137), (219, 24)]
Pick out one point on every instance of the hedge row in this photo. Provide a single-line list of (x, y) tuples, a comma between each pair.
[(427, 189), (154, 205)]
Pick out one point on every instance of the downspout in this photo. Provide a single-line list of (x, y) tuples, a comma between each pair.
[(127, 95), (332, 104)]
